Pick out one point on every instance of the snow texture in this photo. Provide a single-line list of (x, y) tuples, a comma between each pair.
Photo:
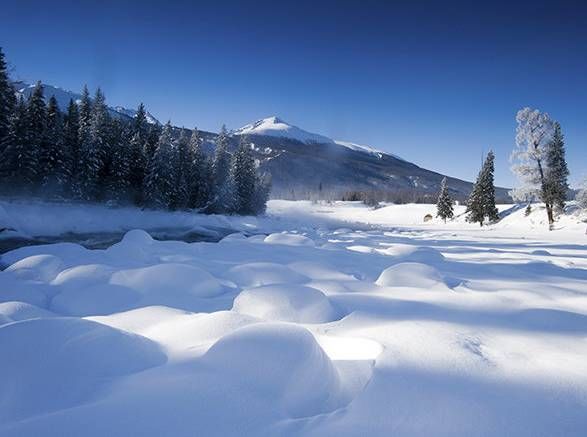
[(318, 319)]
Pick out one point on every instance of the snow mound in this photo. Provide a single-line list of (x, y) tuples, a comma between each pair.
[(82, 276), (99, 299), (169, 278), (319, 271), (279, 361), (51, 364), (410, 274), (409, 253), (135, 245), (16, 311), (259, 274), (286, 303), (289, 239), (12, 289), (37, 268)]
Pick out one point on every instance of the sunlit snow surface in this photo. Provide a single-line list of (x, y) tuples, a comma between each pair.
[(341, 320)]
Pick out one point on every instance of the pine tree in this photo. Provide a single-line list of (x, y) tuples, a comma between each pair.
[(556, 172), (93, 147), (261, 193), (37, 119), (222, 191), (199, 179), (243, 178), (153, 135), (140, 124), (7, 102), (481, 204), (85, 147), (444, 204), (182, 167), (52, 159), (119, 181), (159, 181), (71, 152), (137, 166), (17, 161)]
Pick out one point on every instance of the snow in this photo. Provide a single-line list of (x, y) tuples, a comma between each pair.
[(286, 303), (318, 319), (275, 127)]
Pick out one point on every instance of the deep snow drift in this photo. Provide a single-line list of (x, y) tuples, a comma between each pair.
[(341, 320)]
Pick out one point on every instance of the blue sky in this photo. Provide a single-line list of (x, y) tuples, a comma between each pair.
[(437, 83)]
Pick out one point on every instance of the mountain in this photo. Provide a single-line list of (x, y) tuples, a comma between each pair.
[(305, 165), (275, 127), (63, 96)]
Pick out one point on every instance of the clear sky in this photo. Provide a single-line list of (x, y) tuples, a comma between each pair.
[(437, 83)]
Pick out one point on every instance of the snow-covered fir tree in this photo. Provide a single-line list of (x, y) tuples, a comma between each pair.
[(556, 170), (37, 119), (7, 102), (481, 203), (85, 145), (17, 162), (160, 181), (199, 179), (182, 171), (262, 191), (70, 144), (444, 204), (242, 178), (222, 197), (118, 181), (137, 166), (52, 165), (93, 147), (533, 136)]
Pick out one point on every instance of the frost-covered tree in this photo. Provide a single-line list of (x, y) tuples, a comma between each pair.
[(160, 181), (7, 102), (581, 196), (444, 204), (533, 135), (556, 171), (52, 163), (481, 203), (243, 178), (223, 199)]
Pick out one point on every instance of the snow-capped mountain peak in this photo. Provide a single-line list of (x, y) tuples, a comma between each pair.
[(276, 127)]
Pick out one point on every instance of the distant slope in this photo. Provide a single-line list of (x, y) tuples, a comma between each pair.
[(63, 97), (303, 165)]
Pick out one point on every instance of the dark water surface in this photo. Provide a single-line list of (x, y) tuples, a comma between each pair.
[(103, 240)]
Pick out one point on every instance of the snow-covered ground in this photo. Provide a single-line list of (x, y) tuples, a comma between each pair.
[(341, 321)]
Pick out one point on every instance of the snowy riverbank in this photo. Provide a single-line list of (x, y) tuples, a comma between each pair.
[(341, 321)]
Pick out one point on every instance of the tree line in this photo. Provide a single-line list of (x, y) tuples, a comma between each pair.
[(87, 154), (540, 164)]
